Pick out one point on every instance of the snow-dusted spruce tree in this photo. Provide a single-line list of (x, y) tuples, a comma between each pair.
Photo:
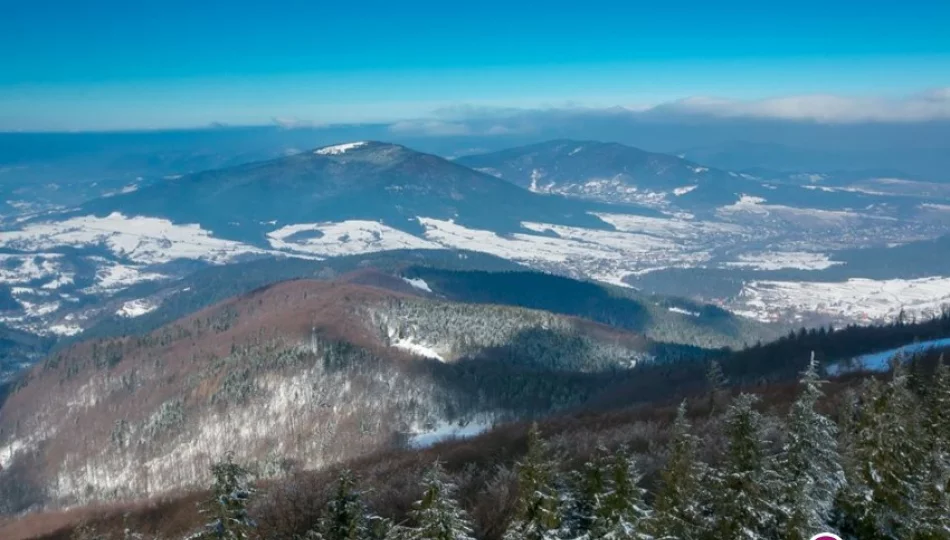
[(678, 506), (609, 503), (437, 514), (932, 495), (345, 515), (717, 386), (538, 514), (589, 489), (227, 507), (744, 486), (624, 513), (883, 463), (809, 465)]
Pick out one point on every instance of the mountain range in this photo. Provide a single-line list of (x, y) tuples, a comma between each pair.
[(312, 308), (583, 209)]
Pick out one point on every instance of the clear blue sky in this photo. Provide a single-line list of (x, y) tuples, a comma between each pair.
[(143, 63)]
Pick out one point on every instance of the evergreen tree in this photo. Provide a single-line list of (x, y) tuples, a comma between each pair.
[(438, 515), (932, 495), (624, 513), (589, 492), (744, 486), (937, 409), (678, 508), (609, 501), (885, 454), (538, 514), (810, 464), (717, 386), (931, 519), (227, 507), (345, 515)]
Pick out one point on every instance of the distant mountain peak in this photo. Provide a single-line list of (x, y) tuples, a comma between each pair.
[(336, 149)]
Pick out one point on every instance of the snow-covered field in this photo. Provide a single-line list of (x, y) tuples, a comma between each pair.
[(136, 308), (418, 283), (880, 361), (749, 207), (607, 256), (856, 299), (756, 235), (338, 149), (778, 260), (144, 240), (344, 238), (444, 431)]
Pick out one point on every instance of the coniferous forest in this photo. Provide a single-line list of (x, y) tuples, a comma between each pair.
[(871, 461)]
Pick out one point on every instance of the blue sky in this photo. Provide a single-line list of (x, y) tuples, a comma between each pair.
[(149, 64)]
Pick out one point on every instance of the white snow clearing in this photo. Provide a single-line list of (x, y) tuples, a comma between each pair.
[(810, 218), (136, 308), (338, 148), (778, 260), (447, 431), (682, 311), (418, 349), (418, 284), (113, 276), (145, 240), (856, 299), (345, 238), (607, 256), (65, 329)]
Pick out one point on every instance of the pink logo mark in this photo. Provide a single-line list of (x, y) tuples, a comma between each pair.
[(826, 536)]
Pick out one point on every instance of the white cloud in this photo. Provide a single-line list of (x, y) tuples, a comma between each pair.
[(293, 123), (430, 127), (825, 108)]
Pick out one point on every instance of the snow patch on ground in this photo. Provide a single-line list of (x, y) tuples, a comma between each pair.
[(880, 361), (338, 148), (674, 229), (444, 431), (418, 283), (145, 240), (65, 329), (346, 238), (136, 308), (8, 451), (26, 268), (856, 299), (114, 276), (778, 260), (607, 256), (411, 345), (61, 281), (682, 311)]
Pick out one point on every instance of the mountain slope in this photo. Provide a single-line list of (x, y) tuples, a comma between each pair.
[(354, 181), (610, 171), (662, 318), (304, 371)]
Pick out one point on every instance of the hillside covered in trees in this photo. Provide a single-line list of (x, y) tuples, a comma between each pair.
[(867, 457)]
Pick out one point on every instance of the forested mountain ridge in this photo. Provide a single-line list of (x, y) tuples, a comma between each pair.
[(864, 457), (662, 318), (364, 368)]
